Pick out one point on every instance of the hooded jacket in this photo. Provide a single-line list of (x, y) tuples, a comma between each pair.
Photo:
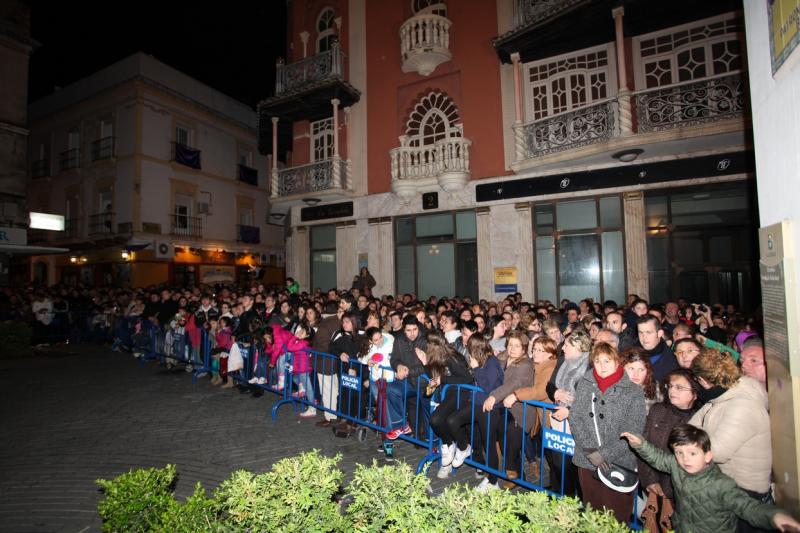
[(738, 424)]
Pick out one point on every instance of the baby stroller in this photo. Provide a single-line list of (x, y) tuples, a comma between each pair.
[(380, 417)]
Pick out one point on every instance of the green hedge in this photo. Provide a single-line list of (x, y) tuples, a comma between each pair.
[(305, 493)]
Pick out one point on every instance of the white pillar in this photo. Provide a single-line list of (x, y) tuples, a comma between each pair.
[(304, 35), (335, 103), (636, 245), (274, 172), (624, 95), (525, 265), (298, 258), (381, 255), (346, 254), (517, 88), (484, 243)]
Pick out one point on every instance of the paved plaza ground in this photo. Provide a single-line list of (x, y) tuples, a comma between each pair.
[(72, 416)]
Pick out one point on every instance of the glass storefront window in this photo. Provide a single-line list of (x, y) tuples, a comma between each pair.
[(695, 234), (613, 266), (578, 214), (546, 268), (578, 267), (323, 257), (439, 225), (436, 255), (582, 259)]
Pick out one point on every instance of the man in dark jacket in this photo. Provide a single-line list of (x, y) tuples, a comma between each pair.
[(651, 338), (327, 366), (408, 368)]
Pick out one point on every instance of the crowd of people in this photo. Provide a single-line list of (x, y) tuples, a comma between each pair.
[(667, 401)]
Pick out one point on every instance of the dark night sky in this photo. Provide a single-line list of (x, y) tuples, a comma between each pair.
[(231, 46)]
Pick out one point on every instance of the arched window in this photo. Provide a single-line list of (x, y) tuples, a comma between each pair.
[(434, 118), (326, 30), (436, 7)]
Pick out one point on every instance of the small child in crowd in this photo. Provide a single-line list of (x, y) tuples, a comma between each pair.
[(706, 499)]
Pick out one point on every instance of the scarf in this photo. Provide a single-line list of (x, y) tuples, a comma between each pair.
[(603, 383), (706, 395), (656, 353), (571, 371)]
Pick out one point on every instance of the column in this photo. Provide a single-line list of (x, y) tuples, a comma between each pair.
[(484, 243), (624, 94), (636, 244), (335, 103), (274, 184), (346, 254), (299, 264), (525, 264), (519, 137), (381, 255), (304, 35)]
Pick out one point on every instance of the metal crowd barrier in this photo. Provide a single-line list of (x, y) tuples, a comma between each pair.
[(350, 399)]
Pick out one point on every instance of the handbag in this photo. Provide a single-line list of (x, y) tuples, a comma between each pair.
[(657, 514), (617, 477)]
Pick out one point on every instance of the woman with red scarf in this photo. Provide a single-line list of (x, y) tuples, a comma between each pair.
[(606, 404)]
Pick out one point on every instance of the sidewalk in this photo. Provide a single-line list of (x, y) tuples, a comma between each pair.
[(69, 419)]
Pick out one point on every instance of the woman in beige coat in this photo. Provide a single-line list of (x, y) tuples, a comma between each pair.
[(735, 417)]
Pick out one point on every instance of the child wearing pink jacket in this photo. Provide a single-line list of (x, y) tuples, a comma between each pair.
[(300, 368)]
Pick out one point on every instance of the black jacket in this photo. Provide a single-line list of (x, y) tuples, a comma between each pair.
[(403, 353)]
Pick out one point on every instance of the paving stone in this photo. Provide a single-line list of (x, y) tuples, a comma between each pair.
[(97, 414)]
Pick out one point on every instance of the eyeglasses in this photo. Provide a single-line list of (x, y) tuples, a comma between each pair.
[(679, 388)]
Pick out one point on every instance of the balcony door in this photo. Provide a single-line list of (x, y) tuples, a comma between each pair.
[(183, 211), (321, 140), (558, 84)]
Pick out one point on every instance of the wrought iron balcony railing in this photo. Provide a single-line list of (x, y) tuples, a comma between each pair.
[(101, 224), (247, 175), (532, 11), (40, 168), (103, 148), (72, 229), (691, 103), (312, 69), (330, 173), (248, 234), (567, 130), (69, 159), (424, 43), (186, 155), (186, 226)]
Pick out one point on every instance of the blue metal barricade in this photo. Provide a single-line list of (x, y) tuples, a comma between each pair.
[(558, 442), (344, 393)]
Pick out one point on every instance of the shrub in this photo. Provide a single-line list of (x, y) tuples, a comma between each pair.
[(199, 514), (137, 500), (391, 498), (296, 495)]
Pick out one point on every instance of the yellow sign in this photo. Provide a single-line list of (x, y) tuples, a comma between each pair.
[(505, 279), (784, 29)]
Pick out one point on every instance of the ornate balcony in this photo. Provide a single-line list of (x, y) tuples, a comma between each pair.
[(688, 104), (304, 90), (331, 175), (532, 11), (567, 130), (317, 68), (424, 43), (445, 163)]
